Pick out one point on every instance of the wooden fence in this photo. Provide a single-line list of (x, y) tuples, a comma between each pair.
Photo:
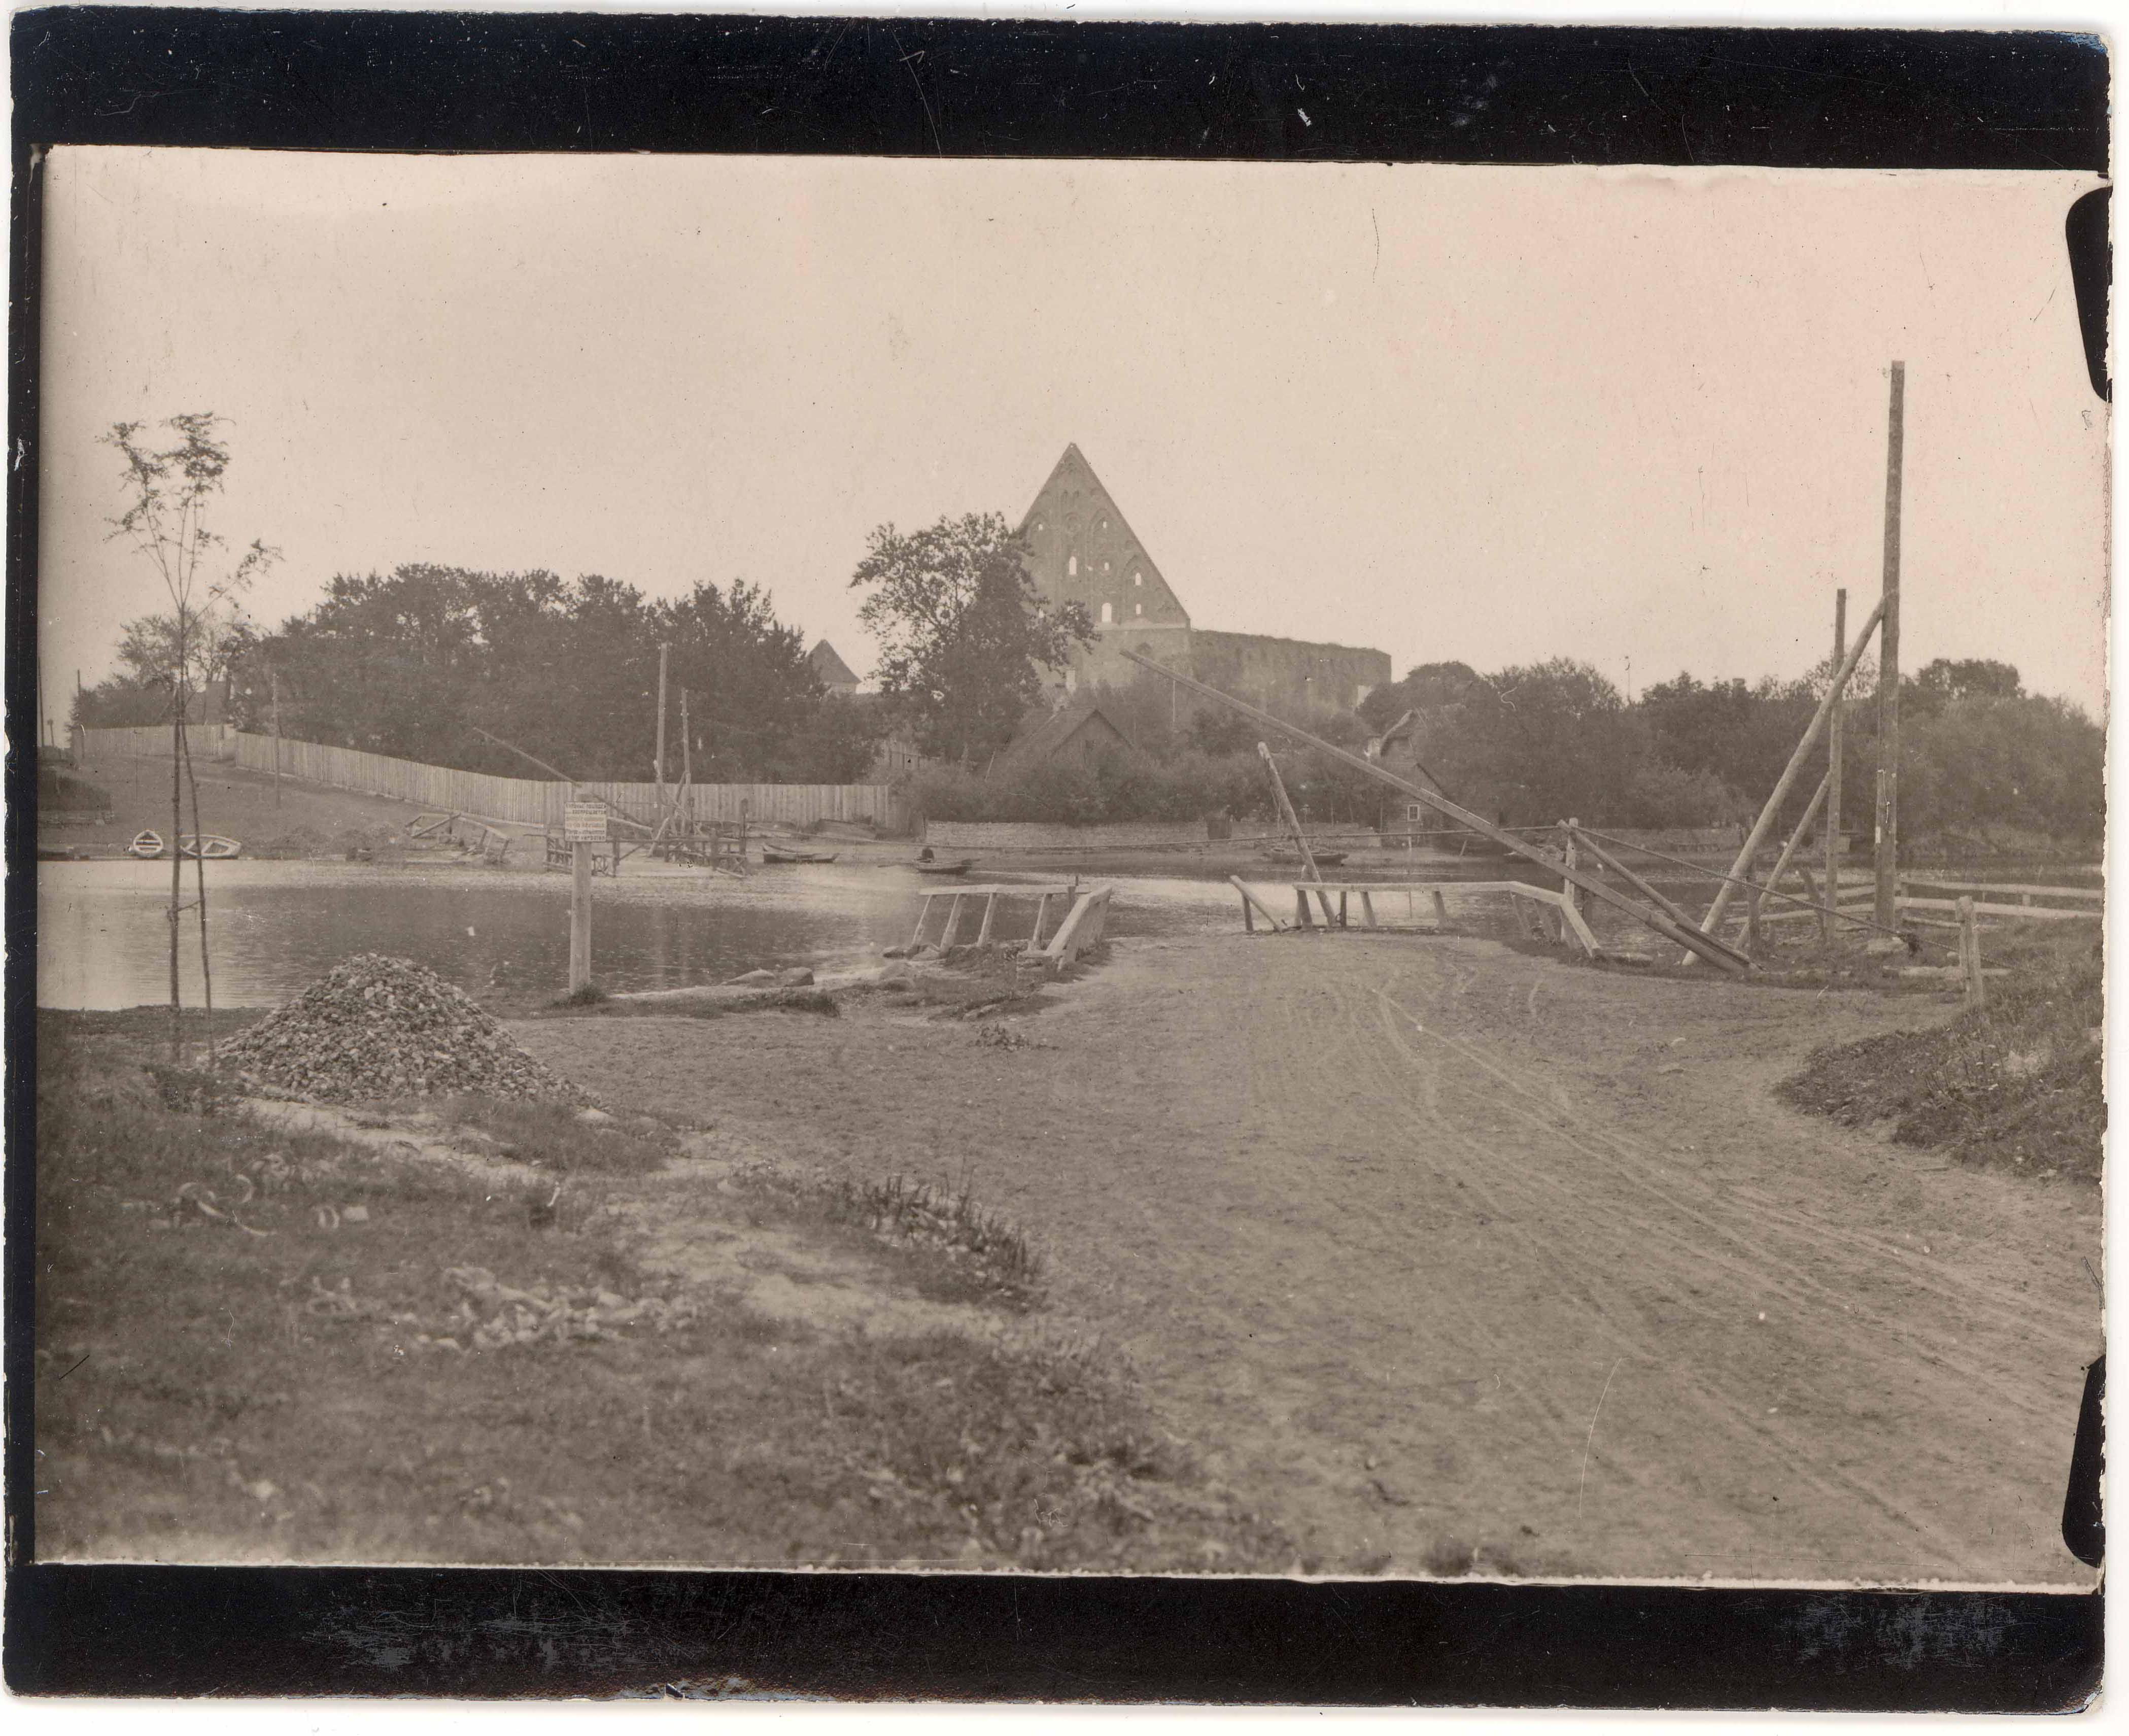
[(518, 801)]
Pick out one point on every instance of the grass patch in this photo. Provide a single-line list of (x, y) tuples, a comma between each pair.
[(2016, 1084), (554, 1137), (241, 1354), (958, 1251)]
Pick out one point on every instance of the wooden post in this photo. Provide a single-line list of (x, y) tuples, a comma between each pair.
[(660, 768), (1249, 921), (1440, 909), (1969, 955), (1368, 907), (1574, 861), (1042, 915), (1888, 658), (923, 915), (580, 915), (990, 915), (953, 923), (1833, 752), (687, 764)]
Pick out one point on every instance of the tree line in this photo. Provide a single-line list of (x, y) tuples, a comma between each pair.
[(442, 664)]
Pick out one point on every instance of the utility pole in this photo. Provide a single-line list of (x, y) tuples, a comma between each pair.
[(686, 756), (1833, 819), (662, 652), (1888, 664), (273, 675)]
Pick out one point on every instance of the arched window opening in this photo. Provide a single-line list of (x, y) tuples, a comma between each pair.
[(1108, 614), (1072, 565)]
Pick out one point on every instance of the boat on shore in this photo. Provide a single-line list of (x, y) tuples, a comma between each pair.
[(145, 845), (770, 853), (963, 866), (209, 846), (1292, 858)]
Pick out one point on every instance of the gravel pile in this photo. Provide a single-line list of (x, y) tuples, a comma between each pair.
[(378, 1027)]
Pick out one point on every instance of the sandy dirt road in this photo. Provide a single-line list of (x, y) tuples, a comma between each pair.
[(1436, 1246)]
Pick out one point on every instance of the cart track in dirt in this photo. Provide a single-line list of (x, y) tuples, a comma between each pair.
[(1437, 1246)]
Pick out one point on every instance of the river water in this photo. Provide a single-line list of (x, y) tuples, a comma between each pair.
[(103, 933)]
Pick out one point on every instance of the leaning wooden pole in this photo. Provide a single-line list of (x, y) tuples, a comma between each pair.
[(1796, 838), (1286, 812), (1765, 824), (1590, 883), (1647, 891), (1888, 661)]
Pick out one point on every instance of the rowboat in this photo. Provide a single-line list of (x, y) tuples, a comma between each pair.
[(145, 845), (1291, 858), (960, 867), (769, 854), (208, 847)]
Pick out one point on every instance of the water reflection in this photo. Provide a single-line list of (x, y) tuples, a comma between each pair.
[(104, 932)]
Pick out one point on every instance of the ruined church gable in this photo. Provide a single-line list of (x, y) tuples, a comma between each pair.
[(1081, 550)]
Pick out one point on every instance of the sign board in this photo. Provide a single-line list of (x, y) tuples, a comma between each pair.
[(584, 823)]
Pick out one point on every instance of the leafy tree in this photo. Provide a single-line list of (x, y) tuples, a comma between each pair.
[(1426, 687), (751, 694), (1947, 679), (965, 636), (170, 481)]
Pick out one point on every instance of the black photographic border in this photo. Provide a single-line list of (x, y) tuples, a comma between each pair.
[(1815, 98)]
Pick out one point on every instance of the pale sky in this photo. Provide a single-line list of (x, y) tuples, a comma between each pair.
[(1491, 414)]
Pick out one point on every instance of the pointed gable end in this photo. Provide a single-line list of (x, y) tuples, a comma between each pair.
[(835, 674), (1081, 550)]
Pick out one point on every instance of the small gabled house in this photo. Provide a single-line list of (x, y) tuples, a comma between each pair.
[(1398, 749), (1078, 733)]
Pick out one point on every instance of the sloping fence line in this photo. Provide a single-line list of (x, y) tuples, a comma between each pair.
[(519, 801)]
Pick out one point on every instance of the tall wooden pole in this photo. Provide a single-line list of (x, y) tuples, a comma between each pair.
[(686, 756), (1889, 663), (1833, 773), (662, 653)]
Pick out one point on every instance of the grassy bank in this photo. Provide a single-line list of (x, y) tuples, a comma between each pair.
[(500, 1334), (2016, 1084)]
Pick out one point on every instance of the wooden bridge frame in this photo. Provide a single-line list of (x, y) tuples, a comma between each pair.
[(1546, 915), (990, 895)]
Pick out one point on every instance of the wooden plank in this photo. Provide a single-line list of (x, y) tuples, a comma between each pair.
[(1250, 897), (1982, 889), (990, 916), (1367, 907), (1042, 917), (953, 921)]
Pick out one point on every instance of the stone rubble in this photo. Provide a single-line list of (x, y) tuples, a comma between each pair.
[(378, 1027)]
